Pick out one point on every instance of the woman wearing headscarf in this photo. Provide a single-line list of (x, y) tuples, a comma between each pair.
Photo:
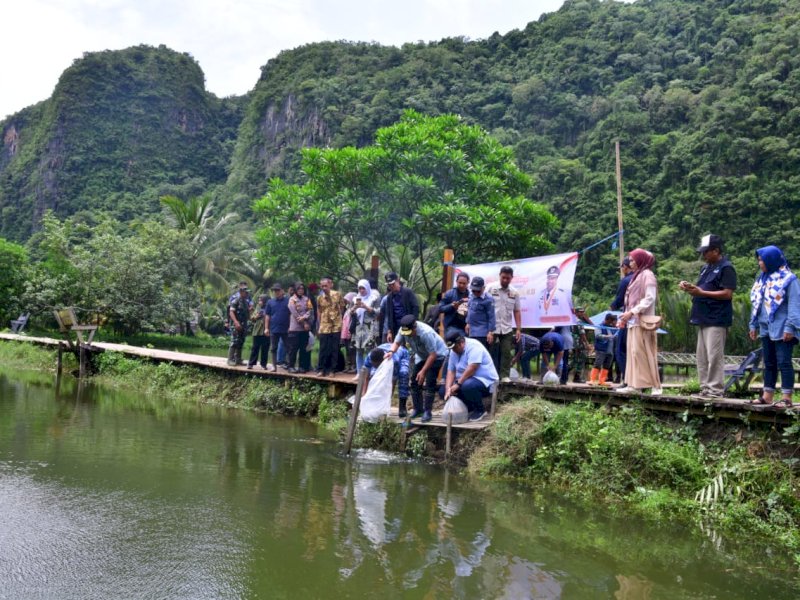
[(775, 318), (364, 312), (641, 368)]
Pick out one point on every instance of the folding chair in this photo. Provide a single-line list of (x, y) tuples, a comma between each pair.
[(739, 378)]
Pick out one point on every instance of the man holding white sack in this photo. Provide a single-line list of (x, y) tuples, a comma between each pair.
[(470, 373)]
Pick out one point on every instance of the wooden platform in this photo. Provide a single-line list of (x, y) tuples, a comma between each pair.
[(342, 385), (438, 421)]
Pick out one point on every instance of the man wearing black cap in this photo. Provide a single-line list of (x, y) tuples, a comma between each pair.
[(454, 304), (429, 354), (481, 316), (398, 302), (712, 312), (470, 373)]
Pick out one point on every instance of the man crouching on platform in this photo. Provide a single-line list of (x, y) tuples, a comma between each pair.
[(470, 373)]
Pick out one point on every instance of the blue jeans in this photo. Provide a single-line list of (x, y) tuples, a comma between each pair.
[(525, 362), (778, 357), (472, 393)]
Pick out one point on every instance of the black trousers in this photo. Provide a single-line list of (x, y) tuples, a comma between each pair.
[(329, 350), (260, 346)]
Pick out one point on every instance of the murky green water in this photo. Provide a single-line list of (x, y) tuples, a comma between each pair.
[(105, 495)]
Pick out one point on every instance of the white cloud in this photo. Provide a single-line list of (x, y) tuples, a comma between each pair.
[(231, 39)]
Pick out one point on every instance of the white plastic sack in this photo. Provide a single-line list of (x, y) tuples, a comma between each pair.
[(457, 408), (377, 402), (513, 374), (310, 344), (551, 378)]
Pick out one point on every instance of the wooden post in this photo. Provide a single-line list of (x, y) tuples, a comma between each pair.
[(447, 279), (619, 208), (351, 428), (448, 443), (495, 391), (81, 361), (60, 359), (373, 271)]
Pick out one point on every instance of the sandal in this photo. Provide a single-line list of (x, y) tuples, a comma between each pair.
[(787, 402), (759, 400)]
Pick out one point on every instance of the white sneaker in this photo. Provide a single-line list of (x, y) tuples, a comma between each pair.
[(505, 380), (270, 367), (626, 390), (656, 391)]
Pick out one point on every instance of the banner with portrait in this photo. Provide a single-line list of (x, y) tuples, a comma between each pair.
[(544, 284)]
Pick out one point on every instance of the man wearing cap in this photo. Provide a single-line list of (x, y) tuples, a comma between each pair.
[(239, 314), (470, 373), (621, 346), (554, 306), (454, 304), (480, 314), (399, 302), (508, 320), (277, 322), (712, 313), (429, 353)]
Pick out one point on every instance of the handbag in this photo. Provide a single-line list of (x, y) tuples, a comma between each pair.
[(650, 322)]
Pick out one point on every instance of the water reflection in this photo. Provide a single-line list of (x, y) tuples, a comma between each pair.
[(104, 494)]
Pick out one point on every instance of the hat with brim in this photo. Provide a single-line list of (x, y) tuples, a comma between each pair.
[(407, 324), (453, 337)]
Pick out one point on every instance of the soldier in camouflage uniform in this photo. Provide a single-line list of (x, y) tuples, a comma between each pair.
[(239, 313)]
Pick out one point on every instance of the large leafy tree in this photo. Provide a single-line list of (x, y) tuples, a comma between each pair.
[(13, 262), (427, 183)]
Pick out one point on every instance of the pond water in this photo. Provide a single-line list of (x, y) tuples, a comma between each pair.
[(112, 495)]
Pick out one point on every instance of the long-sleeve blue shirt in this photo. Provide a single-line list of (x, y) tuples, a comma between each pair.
[(481, 315)]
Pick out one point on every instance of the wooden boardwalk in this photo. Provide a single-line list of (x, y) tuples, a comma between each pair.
[(342, 385)]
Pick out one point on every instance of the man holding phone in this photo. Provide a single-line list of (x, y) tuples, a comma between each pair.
[(454, 304), (712, 312)]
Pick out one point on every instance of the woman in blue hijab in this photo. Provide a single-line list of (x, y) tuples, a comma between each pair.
[(775, 318)]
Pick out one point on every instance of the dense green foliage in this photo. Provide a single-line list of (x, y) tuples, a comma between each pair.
[(730, 477), (13, 261), (121, 129), (428, 183), (703, 97)]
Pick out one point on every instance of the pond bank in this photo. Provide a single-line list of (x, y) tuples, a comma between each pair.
[(627, 458)]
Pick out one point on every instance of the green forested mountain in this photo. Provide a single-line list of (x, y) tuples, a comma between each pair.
[(702, 94), (121, 129)]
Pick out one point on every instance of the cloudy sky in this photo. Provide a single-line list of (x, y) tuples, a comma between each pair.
[(231, 39)]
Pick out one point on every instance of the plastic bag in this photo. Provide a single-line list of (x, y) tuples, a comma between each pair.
[(310, 344), (551, 378), (457, 408), (513, 374), (377, 402)]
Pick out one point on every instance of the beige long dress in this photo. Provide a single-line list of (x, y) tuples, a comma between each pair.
[(641, 368)]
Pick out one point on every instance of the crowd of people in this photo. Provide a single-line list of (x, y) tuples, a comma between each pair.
[(481, 336)]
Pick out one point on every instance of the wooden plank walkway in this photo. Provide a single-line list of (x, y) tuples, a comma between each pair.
[(341, 385)]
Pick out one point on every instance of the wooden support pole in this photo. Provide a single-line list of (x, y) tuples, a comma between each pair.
[(81, 361), (495, 391), (351, 428), (448, 437), (60, 359), (619, 207), (447, 279), (373, 270)]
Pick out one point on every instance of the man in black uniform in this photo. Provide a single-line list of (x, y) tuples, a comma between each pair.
[(239, 314)]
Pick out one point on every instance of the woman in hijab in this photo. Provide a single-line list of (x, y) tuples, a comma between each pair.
[(775, 318), (641, 369), (364, 312)]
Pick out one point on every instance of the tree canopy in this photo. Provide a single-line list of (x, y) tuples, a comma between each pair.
[(427, 183)]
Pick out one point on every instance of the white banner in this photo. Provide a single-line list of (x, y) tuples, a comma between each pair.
[(544, 284)]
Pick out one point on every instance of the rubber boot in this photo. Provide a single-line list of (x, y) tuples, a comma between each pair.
[(401, 408), (427, 414), (231, 356), (594, 375), (238, 356), (417, 402), (604, 377)]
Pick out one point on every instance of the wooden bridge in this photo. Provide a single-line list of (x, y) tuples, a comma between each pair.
[(341, 386)]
